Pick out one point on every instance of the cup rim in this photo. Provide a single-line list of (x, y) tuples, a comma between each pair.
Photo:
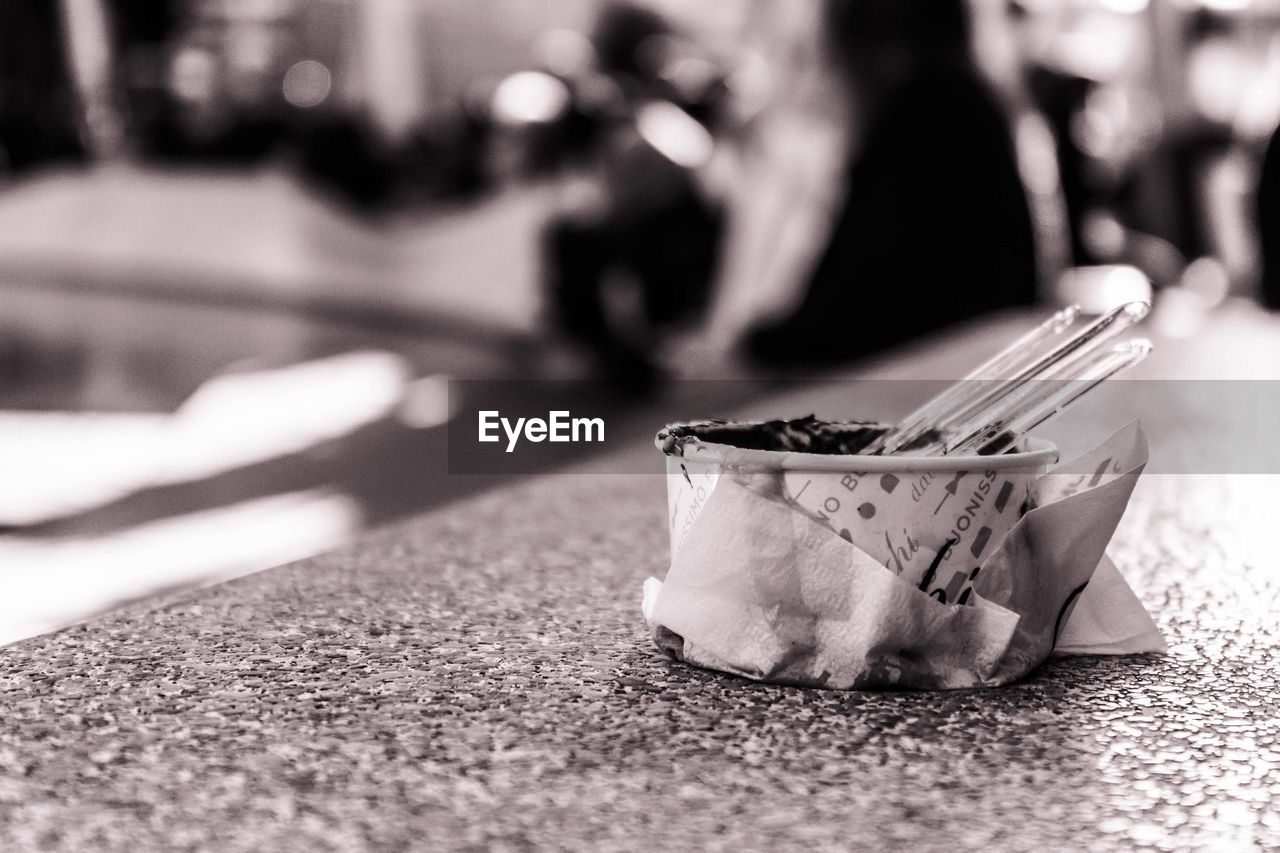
[(1038, 453)]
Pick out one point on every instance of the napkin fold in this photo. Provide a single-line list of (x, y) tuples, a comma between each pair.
[(761, 589)]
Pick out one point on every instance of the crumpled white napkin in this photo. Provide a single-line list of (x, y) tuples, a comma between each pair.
[(761, 590)]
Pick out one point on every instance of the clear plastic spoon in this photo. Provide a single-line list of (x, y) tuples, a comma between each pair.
[(997, 431), (1028, 365), (959, 396)]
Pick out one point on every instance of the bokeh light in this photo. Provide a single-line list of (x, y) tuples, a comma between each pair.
[(307, 83), (529, 97)]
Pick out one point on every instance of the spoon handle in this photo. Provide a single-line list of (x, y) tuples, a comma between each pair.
[(995, 432), (959, 396)]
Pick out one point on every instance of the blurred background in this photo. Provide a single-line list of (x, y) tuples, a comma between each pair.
[(245, 244)]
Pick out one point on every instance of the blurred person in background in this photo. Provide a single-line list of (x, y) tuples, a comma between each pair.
[(1142, 104), (39, 110), (1152, 207), (935, 226), (635, 260)]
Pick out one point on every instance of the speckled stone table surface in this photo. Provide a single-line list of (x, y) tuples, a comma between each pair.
[(480, 679)]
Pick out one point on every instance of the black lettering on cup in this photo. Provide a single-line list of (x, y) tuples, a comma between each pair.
[(980, 541), (1002, 497)]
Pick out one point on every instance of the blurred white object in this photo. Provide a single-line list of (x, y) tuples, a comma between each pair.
[(1098, 289), (52, 583), (53, 463), (529, 97), (675, 134), (1221, 77), (56, 463), (241, 419)]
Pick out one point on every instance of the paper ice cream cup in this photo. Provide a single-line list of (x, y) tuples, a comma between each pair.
[(797, 561), (931, 520)]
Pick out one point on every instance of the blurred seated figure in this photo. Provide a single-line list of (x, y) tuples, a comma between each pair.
[(649, 228), (935, 226)]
